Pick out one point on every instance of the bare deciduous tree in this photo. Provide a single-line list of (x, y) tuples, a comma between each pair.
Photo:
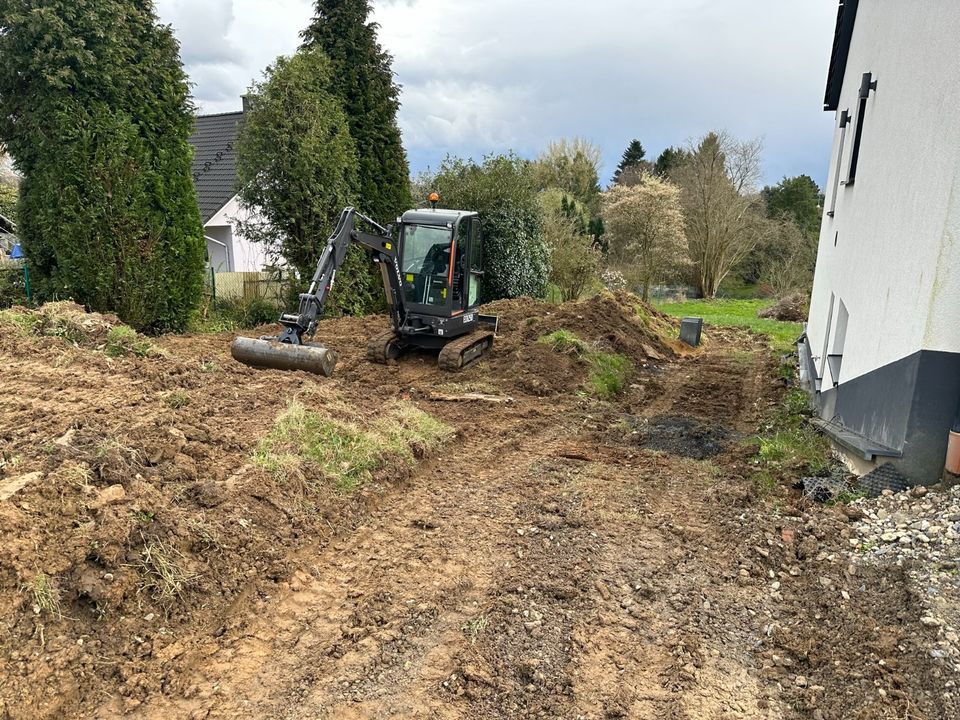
[(645, 225), (718, 182)]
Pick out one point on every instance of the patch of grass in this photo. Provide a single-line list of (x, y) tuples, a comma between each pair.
[(739, 313), (143, 516), (26, 323), (163, 574), (565, 341), (208, 366), (344, 453), (609, 372), (44, 595), (802, 448), (474, 627), (846, 497), (176, 399), (123, 340)]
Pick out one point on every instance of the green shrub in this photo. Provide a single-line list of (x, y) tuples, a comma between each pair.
[(502, 190), (95, 109), (13, 290)]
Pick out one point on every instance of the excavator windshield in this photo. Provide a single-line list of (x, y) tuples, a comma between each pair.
[(425, 263)]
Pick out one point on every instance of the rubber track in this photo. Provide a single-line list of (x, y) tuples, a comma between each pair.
[(377, 346), (452, 356)]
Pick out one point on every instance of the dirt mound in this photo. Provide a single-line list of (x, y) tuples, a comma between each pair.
[(790, 308), (64, 319), (618, 323)]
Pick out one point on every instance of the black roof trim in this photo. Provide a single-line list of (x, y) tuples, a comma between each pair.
[(846, 18)]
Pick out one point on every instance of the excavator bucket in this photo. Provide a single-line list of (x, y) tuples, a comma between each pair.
[(266, 353)]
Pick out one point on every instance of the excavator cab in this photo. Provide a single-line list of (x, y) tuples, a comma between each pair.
[(432, 268), (441, 261)]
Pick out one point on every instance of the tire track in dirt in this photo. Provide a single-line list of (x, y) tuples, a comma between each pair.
[(370, 625)]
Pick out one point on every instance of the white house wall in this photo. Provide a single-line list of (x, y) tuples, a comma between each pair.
[(248, 256), (891, 253)]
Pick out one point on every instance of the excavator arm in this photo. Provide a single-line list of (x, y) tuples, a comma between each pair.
[(301, 326), (293, 349)]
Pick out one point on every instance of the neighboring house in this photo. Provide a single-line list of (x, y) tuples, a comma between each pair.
[(881, 353), (9, 244), (214, 141)]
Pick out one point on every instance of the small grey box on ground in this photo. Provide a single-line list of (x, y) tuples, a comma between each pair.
[(690, 331)]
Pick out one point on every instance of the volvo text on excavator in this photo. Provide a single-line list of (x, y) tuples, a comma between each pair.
[(432, 268)]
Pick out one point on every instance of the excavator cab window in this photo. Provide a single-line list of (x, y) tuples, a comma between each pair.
[(457, 277), (425, 263)]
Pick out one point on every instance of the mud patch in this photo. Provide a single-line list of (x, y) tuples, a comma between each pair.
[(683, 436)]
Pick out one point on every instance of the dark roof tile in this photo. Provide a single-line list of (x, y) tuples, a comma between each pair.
[(214, 141)]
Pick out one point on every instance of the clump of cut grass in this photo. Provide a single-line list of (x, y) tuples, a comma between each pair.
[(344, 453), (609, 372), (44, 595), (803, 448), (176, 399), (163, 574), (124, 340), (25, 322), (565, 341)]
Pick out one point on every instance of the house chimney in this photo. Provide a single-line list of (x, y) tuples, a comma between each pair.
[(248, 102)]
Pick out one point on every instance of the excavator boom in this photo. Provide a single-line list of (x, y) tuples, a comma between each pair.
[(293, 349)]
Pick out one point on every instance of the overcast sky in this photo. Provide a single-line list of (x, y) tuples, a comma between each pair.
[(489, 75)]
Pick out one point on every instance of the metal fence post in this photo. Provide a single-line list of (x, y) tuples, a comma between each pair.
[(26, 281), (213, 284)]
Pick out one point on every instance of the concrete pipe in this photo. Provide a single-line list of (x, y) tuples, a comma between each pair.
[(311, 358)]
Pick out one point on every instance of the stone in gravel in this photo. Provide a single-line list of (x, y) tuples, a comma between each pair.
[(919, 491), (890, 536)]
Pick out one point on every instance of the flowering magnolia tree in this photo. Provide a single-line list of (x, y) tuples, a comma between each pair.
[(644, 224)]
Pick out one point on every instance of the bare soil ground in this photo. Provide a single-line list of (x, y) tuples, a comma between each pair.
[(559, 557)]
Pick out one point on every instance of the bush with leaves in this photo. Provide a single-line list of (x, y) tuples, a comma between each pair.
[(574, 260), (516, 259), (95, 109), (297, 166), (8, 201)]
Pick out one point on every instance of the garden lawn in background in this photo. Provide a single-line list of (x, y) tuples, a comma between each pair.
[(743, 313)]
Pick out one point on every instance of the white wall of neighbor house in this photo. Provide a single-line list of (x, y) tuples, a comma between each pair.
[(246, 255), (890, 255)]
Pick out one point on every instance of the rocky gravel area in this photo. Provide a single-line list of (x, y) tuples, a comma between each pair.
[(918, 530)]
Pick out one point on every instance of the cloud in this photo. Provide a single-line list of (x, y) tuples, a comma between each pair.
[(484, 76)]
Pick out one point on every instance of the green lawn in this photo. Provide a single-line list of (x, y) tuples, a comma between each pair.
[(741, 313)]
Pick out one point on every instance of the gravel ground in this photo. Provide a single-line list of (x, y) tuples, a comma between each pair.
[(918, 530)]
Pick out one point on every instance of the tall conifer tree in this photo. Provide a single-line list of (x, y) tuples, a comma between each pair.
[(363, 80), (94, 107)]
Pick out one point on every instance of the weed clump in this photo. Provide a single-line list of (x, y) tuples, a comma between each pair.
[(305, 443), (164, 575), (609, 372), (789, 445), (124, 340), (43, 594)]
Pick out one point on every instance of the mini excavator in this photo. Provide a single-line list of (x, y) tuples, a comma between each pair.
[(432, 267)]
